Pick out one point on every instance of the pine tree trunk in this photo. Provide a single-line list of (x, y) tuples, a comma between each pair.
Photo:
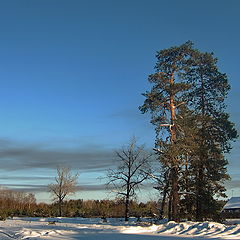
[(175, 195), (161, 210), (170, 207), (199, 196), (165, 190)]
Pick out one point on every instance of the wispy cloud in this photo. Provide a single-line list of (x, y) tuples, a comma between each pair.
[(25, 178), (34, 188), (39, 188), (15, 156)]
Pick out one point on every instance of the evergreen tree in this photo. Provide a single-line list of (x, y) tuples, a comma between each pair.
[(193, 131), (164, 101), (215, 131)]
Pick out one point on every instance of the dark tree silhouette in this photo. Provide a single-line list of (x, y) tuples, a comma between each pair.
[(132, 169)]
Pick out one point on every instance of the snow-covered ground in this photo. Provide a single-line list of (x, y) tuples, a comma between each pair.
[(114, 229)]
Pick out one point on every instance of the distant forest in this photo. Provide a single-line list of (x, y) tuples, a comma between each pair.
[(20, 204)]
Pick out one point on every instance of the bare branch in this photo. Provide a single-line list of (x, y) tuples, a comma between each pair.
[(129, 175)]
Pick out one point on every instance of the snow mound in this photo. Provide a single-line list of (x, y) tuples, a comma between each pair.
[(27, 233), (200, 229)]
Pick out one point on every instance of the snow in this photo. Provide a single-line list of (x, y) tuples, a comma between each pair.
[(234, 202), (113, 229)]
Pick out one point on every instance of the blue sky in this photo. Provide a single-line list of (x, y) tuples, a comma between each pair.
[(72, 74)]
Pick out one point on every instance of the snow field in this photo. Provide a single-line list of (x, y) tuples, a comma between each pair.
[(114, 229)]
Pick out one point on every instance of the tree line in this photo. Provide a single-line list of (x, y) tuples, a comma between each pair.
[(19, 204)]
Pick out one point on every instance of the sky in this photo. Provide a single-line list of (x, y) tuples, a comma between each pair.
[(72, 74)]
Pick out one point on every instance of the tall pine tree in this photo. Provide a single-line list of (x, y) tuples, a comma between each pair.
[(215, 131), (164, 101), (192, 129)]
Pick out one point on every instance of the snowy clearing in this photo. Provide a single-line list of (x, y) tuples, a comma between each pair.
[(117, 229)]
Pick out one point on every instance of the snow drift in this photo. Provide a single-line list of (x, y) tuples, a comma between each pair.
[(79, 228)]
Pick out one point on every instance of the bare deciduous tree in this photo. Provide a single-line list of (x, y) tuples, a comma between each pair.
[(133, 168), (65, 184)]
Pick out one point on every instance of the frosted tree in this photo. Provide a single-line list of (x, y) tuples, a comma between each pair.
[(65, 184)]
